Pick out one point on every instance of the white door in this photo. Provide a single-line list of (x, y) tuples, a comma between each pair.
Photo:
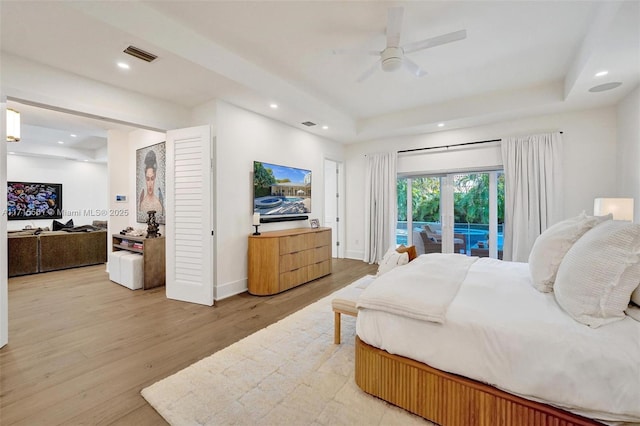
[(189, 216), (331, 202)]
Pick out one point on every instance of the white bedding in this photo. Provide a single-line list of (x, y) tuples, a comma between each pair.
[(423, 289), (501, 331)]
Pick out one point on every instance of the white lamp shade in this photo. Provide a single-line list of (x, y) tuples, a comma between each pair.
[(621, 208), (13, 125)]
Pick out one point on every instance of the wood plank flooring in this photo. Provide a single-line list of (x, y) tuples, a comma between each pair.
[(81, 347)]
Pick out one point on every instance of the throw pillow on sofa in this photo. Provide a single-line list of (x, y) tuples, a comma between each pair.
[(57, 226)]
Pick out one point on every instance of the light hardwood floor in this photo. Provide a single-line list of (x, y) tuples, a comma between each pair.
[(81, 347)]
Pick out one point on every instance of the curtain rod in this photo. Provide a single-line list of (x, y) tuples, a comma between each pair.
[(451, 146)]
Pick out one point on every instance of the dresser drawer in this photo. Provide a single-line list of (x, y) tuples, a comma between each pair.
[(320, 254), (322, 238), (291, 261), (295, 243), (294, 278), (318, 270)]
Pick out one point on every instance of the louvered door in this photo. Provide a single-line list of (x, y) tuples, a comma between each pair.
[(189, 227)]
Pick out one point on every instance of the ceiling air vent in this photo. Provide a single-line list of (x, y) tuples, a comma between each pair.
[(140, 54), (309, 123)]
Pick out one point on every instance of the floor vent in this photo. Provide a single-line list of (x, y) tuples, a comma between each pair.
[(140, 54)]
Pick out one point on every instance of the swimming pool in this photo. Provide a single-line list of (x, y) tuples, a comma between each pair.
[(473, 236)]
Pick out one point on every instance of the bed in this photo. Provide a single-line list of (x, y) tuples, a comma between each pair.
[(494, 349)]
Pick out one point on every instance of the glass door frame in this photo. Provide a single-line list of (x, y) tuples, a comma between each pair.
[(447, 217)]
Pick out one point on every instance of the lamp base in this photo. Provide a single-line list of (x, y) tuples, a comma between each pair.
[(256, 233)]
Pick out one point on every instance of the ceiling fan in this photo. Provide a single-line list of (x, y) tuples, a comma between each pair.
[(394, 56)]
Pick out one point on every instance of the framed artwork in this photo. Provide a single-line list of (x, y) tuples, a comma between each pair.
[(150, 174), (30, 200), (315, 223)]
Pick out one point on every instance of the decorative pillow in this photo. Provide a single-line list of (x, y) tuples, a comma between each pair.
[(392, 259), (411, 251), (551, 246), (59, 225), (635, 296), (598, 274)]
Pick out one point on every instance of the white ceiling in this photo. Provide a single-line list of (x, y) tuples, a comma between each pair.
[(519, 58)]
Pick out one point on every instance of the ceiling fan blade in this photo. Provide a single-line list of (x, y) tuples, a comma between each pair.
[(394, 25), (435, 41), (355, 52), (412, 67), (368, 72)]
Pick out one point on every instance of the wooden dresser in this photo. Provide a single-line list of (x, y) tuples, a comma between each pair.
[(281, 260)]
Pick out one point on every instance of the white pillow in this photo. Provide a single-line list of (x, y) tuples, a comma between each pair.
[(598, 274), (551, 246), (392, 259), (635, 296)]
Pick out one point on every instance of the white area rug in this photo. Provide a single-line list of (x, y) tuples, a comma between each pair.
[(289, 373)]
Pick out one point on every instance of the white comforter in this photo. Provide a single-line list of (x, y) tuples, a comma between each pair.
[(500, 330), (423, 289)]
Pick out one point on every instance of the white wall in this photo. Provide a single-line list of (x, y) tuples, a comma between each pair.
[(30, 81), (243, 137), (589, 142), (84, 187), (628, 164)]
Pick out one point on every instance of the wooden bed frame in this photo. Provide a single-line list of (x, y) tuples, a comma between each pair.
[(448, 399)]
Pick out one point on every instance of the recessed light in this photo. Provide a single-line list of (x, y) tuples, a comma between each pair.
[(440, 124), (123, 65), (604, 87), (61, 143), (325, 127), (602, 73), (73, 136), (274, 106)]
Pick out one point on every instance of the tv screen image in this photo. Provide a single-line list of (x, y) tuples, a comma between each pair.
[(280, 190), (29, 200)]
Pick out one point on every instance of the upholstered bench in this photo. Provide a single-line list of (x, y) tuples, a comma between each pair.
[(345, 303)]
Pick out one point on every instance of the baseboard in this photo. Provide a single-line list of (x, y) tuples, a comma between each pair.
[(354, 254), (230, 289)]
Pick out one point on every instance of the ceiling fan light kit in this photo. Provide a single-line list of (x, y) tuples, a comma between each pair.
[(393, 57)]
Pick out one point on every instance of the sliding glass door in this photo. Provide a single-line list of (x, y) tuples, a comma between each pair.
[(419, 219), (452, 213)]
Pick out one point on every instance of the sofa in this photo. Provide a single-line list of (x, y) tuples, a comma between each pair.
[(34, 251)]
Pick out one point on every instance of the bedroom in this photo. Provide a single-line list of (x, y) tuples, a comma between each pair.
[(601, 140)]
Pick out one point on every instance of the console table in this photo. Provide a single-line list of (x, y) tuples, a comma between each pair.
[(153, 253), (281, 260)]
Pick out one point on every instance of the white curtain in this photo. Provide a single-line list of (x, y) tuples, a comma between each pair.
[(380, 205), (533, 190)]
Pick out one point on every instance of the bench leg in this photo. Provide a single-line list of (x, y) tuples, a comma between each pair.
[(336, 331)]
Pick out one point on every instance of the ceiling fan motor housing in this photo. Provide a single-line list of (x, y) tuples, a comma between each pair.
[(391, 58)]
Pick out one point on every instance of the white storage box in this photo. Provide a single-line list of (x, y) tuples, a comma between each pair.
[(114, 265), (131, 271)]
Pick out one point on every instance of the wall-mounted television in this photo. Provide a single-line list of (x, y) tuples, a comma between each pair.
[(29, 200), (280, 190)]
